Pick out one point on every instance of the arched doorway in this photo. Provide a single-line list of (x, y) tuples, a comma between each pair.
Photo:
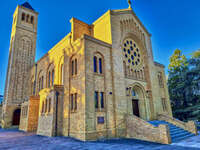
[(138, 101), (16, 117)]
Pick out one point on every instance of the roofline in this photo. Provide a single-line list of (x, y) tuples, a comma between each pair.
[(124, 11), (159, 64), (27, 9)]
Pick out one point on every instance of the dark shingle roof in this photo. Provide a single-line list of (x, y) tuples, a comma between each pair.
[(27, 5)]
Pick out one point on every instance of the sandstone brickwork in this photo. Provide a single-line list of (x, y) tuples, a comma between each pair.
[(90, 81), (21, 59)]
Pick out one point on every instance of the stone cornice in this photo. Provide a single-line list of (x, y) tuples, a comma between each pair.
[(87, 37)]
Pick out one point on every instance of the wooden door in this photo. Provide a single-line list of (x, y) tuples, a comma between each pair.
[(16, 117), (135, 107)]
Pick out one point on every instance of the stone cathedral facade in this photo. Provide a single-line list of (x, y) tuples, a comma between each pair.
[(93, 84)]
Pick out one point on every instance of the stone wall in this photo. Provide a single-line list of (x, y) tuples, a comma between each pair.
[(29, 115), (142, 130)]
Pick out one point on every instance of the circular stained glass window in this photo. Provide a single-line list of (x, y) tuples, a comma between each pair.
[(131, 52)]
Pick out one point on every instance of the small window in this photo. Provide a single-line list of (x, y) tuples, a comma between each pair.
[(75, 66), (72, 67), (46, 103), (133, 93), (164, 104), (72, 102), (100, 66), (52, 80), (102, 99), (32, 19), (160, 80), (49, 79), (27, 18), (49, 105), (95, 64), (43, 107), (96, 99), (23, 16), (42, 82), (62, 74), (75, 107)]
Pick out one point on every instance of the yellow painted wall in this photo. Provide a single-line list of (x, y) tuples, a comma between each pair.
[(102, 28)]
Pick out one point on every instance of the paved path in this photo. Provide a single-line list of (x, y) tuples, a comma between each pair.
[(17, 140)]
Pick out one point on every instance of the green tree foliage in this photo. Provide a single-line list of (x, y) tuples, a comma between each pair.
[(184, 85)]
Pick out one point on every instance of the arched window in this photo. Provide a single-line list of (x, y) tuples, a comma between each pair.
[(27, 18), (49, 79), (43, 107), (72, 102), (46, 103), (49, 105), (100, 66), (52, 79), (98, 63), (75, 63), (42, 82), (62, 74), (95, 63), (23, 16), (133, 93), (32, 19), (96, 99), (102, 99), (72, 67)]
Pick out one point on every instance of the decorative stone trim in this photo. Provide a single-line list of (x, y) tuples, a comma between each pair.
[(190, 126), (140, 129)]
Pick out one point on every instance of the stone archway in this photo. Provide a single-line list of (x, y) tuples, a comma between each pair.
[(138, 101), (16, 117)]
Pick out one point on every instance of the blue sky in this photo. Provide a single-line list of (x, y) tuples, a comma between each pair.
[(172, 23)]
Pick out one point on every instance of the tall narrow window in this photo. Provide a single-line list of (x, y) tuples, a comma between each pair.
[(72, 67), (72, 102), (27, 18), (43, 107), (32, 19), (75, 64), (164, 104), (75, 107), (46, 103), (49, 79), (100, 66), (23, 16), (49, 105), (42, 82), (102, 99), (96, 98), (95, 64), (52, 80), (62, 74)]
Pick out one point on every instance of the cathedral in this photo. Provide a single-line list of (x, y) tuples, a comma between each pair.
[(99, 82)]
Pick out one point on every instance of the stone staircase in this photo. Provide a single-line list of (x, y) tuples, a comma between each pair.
[(177, 134)]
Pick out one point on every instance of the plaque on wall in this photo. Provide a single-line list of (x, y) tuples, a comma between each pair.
[(100, 120)]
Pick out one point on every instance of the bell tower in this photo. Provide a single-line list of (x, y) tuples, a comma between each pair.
[(21, 59)]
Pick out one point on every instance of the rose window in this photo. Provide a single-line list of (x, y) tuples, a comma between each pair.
[(132, 53)]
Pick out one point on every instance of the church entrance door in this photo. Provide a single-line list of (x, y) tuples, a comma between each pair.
[(16, 117), (135, 107)]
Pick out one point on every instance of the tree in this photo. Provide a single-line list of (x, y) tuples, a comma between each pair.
[(184, 85)]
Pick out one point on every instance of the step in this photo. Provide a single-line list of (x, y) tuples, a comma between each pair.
[(177, 139), (180, 135), (178, 132)]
